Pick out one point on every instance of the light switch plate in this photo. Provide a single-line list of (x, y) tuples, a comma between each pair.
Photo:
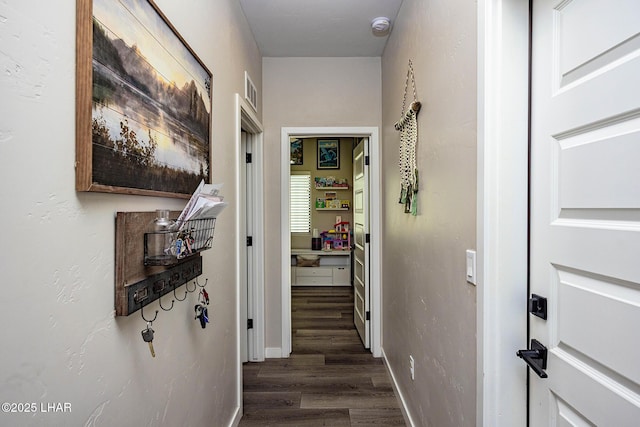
[(471, 266)]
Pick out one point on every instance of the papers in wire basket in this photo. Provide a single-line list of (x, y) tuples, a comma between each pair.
[(204, 203)]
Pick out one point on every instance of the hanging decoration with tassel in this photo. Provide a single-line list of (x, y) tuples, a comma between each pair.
[(408, 128)]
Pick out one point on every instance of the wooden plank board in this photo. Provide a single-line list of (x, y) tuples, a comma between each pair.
[(129, 254)]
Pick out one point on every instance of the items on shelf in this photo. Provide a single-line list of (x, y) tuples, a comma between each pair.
[(322, 203), (331, 182), (307, 261), (168, 241), (331, 201), (316, 240), (337, 239)]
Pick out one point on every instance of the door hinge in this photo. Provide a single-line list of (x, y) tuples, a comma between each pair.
[(366, 160), (367, 238), (249, 158), (367, 315), (249, 240), (249, 323)]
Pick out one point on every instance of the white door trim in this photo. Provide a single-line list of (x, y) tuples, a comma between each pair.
[(246, 119), (375, 190), (502, 207)]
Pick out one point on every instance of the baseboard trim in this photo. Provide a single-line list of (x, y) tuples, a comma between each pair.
[(235, 420), (403, 404), (273, 353)]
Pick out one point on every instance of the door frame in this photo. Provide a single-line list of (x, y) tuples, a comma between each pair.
[(502, 211), (243, 205), (375, 202), (246, 119)]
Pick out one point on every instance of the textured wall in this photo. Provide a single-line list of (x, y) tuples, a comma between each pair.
[(307, 92), (429, 309), (60, 339)]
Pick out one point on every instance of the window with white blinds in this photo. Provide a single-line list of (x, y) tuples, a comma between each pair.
[(300, 204)]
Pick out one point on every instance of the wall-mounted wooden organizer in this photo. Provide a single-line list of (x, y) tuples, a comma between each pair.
[(139, 280)]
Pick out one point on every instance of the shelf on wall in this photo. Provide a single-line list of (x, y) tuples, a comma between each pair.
[(332, 188), (332, 209)]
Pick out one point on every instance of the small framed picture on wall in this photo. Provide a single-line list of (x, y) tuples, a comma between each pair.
[(328, 154), (296, 151)]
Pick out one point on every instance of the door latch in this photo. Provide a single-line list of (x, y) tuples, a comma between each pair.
[(536, 357), (538, 306)]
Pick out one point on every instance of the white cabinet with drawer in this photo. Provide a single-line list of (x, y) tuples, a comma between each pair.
[(333, 269), (342, 276)]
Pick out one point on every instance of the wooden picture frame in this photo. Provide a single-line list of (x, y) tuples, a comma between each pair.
[(297, 152), (143, 103), (328, 154)]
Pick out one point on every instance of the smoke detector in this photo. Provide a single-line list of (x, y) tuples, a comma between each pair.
[(380, 26)]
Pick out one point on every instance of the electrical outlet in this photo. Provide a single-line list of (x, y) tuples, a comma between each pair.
[(412, 367)]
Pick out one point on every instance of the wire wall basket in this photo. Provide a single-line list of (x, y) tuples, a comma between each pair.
[(178, 240)]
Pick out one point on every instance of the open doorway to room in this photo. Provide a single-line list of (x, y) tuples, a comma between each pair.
[(321, 225), (318, 169)]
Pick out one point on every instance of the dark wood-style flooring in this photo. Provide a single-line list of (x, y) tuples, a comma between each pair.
[(329, 380)]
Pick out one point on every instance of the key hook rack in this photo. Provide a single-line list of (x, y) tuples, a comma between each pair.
[(139, 281), (155, 256)]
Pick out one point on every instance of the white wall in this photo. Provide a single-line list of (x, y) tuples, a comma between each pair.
[(60, 340), (307, 92), (428, 308)]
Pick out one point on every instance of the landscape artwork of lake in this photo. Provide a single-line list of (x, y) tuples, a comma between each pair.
[(151, 109)]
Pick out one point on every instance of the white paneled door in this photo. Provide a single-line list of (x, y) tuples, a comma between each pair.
[(585, 211), (361, 304)]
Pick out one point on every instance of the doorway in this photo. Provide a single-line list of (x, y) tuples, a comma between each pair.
[(375, 224), (249, 224)]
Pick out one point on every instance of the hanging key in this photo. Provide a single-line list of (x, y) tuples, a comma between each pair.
[(202, 314), (147, 336), (204, 318)]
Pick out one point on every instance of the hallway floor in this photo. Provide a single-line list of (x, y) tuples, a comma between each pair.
[(329, 380)]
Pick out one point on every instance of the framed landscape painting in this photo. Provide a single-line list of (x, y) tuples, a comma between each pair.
[(143, 102)]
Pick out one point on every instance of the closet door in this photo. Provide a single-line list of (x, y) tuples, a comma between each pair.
[(585, 214)]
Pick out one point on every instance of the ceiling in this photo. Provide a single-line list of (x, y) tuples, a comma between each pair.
[(312, 28)]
